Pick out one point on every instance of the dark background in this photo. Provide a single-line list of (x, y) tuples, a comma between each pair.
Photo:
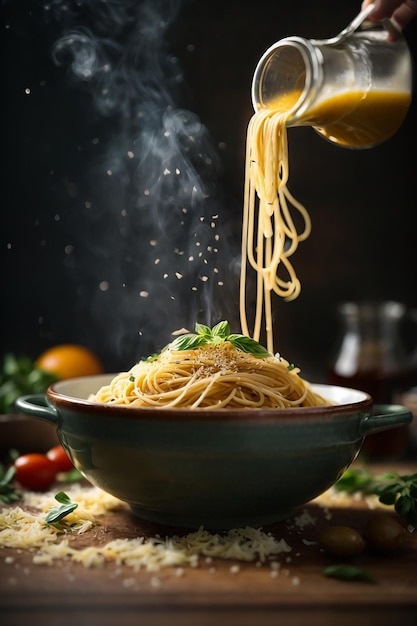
[(74, 239)]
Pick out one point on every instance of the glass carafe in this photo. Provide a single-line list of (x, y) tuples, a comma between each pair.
[(353, 90), (372, 354)]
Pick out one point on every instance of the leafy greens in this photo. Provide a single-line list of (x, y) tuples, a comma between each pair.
[(391, 489), (220, 333)]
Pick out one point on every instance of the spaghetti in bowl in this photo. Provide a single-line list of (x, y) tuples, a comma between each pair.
[(211, 376), (220, 468)]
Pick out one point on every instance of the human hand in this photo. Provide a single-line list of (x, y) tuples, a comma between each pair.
[(400, 12)]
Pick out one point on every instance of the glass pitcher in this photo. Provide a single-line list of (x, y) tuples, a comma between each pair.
[(371, 354), (354, 89)]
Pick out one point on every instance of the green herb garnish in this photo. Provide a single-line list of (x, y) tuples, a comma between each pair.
[(220, 333), (152, 357), (391, 488), (57, 513), (348, 572), (7, 492), (72, 476), (18, 377)]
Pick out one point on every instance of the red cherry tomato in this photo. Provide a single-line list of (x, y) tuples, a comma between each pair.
[(60, 459), (35, 471)]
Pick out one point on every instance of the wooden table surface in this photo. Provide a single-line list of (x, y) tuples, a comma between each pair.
[(221, 591)]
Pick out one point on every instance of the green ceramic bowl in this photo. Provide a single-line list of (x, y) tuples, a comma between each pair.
[(217, 468)]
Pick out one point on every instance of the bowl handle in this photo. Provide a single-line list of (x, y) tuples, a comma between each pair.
[(385, 417), (37, 406)]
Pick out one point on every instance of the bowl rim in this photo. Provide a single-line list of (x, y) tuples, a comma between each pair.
[(76, 404)]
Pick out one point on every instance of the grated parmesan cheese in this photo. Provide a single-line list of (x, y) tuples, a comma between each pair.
[(27, 530), (332, 497), (305, 519)]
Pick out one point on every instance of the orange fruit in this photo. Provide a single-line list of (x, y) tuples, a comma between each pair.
[(69, 361)]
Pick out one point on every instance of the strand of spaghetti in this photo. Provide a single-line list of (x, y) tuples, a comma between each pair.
[(248, 229), (259, 251), (249, 250), (285, 198), (266, 276), (208, 390), (277, 238)]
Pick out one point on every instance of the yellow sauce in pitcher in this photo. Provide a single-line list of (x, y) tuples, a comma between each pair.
[(355, 119), (358, 119)]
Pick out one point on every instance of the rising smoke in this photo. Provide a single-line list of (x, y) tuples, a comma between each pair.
[(150, 256)]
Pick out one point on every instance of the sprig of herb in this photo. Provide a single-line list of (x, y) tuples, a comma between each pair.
[(19, 376), (57, 513), (348, 572), (7, 491), (392, 489), (220, 333)]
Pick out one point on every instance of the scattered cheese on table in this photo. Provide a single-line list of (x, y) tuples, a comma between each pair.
[(27, 529), (24, 528)]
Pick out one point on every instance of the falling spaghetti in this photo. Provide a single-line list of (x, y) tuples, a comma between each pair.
[(211, 369), (269, 232)]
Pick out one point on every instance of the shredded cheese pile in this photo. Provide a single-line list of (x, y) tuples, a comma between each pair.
[(27, 530)]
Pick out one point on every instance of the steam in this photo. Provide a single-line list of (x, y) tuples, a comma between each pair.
[(149, 220)]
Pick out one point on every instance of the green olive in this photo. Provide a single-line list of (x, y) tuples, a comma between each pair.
[(385, 534), (341, 541)]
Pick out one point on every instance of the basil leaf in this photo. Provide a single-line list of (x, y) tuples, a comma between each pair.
[(73, 476), (413, 491), (63, 498), (391, 489), (7, 475), (403, 506), (7, 491), (215, 336), (57, 513), (18, 377), (188, 342), (349, 573), (246, 344), (201, 329), (387, 498), (222, 329), (387, 476), (353, 480)]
